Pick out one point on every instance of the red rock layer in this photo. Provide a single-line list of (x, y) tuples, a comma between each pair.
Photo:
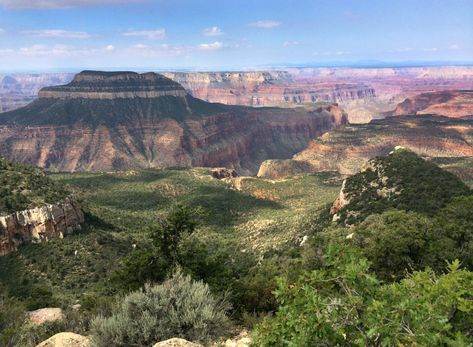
[(238, 140)]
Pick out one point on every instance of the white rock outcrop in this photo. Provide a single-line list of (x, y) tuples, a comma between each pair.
[(39, 224)]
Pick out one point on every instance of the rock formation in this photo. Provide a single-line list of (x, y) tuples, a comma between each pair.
[(455, 104), (49, 314), (17, 90), (176, 342), (39, 224), (66, 340), (124, 120), (347, 150)]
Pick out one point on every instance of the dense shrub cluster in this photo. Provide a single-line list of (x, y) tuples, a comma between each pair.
[(410, 183), (344, 304)]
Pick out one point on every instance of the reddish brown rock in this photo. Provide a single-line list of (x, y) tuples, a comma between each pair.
[(121, 121), (455, 104)]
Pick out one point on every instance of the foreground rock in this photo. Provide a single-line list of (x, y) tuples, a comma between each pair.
[(177, 342), (39, 224), (66, 340), (107, 121), (45, 315)]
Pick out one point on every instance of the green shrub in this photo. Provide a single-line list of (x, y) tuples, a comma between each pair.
[(179, 307), (343, 304)]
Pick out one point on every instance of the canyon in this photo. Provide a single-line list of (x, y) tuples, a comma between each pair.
[(106, 121), (448, 141), (364, 93)]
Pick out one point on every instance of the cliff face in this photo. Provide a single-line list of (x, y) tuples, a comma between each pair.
[(269, 88), (39, 224), (17, 90), (347, 150), (455, 104), (118, 121)]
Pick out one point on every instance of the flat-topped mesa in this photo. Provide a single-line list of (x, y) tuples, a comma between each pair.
[(115, 85)]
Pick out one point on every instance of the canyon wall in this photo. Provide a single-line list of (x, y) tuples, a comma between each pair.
[(39, 224), (447, 140), (75, 128), (364, 93)]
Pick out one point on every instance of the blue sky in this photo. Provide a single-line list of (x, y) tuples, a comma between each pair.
[(230, 34)]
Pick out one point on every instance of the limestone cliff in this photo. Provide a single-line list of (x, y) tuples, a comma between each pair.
[(39, 224)]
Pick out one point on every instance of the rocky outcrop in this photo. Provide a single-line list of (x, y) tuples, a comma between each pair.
[(39, 224), (281, 168), (49, 314), (66, 340), (128, 129), (455, 104)]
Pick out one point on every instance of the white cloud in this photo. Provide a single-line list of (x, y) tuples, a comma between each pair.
[(40, 50), (51, 4), (432, 49), (157, 34), (140, 46), (57, 33), (265, 24), (401, 50), (211, 46), (291, 43), (2, 31), (330, 53), (454, 47), (213, 31)]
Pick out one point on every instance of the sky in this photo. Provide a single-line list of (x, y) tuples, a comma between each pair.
[(230, 34)]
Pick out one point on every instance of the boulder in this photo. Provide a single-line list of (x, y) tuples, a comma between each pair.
[(177, 342), (49, 314), (66, 340)]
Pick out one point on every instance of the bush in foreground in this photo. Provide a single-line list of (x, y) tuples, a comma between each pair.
[(344, 304), (179, 307)]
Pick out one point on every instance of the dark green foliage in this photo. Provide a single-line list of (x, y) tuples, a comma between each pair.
[(168, 233), (24, 186), (54, 266), (400, 180), (179, 307), (398, 242), (343, 304), (141, 266), (151, 263), (12, 316)]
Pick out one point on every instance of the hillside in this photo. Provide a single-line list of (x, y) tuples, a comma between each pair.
[(24, 187), (401, 180), (104, 121)]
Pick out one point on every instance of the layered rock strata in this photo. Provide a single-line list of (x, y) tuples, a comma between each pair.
[(120, 121), (39, 224)]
